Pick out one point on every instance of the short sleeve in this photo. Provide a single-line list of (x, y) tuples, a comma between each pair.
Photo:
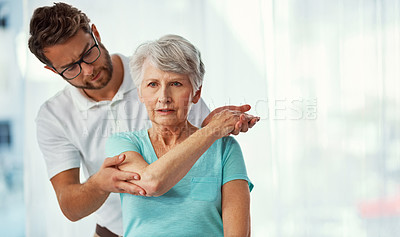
[(233, 166), (121, 142), (59, 152), (198, 113)]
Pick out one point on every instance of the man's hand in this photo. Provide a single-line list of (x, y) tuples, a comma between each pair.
[(246, 120), (111, 179), (78, 200)]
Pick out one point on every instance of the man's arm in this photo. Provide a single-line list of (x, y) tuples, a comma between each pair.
[(236, 208), (62, 158), (246, 120), (78, 200), (160, 176)]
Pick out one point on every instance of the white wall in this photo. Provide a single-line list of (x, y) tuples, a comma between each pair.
[(323, 75)]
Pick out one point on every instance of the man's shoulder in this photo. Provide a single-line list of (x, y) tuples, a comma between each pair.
[(124, 59), (59, 101)]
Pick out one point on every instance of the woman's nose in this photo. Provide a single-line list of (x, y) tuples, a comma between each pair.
[(164, 96)]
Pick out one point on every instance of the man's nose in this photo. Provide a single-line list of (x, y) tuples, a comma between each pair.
[(87, 69)]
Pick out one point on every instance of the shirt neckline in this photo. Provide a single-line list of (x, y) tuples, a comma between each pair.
[(83, 102), (154, 154)]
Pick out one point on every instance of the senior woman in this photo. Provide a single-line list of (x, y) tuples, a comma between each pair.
[(195, 179)]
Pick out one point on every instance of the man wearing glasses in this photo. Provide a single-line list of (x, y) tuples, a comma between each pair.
[(100, 100), (72, 70)]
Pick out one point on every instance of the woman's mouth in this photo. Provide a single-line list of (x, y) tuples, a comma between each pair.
[(165, 111)]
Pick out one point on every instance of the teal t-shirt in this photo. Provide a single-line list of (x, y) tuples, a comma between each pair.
[(193, 206)]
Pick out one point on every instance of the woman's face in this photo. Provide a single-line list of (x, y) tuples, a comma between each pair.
[(166, 95)]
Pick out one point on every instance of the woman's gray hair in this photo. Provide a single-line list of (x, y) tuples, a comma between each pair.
[(170, 53)]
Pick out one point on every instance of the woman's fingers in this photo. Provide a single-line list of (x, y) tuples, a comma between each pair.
[(240, 109), (253, 121), (245, 122), (234, 121), (237, 128)]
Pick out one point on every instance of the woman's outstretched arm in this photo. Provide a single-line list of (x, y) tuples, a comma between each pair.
[(160, 176)]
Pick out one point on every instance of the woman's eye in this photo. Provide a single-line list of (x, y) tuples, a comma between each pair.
[(152, 84), (176, 83)]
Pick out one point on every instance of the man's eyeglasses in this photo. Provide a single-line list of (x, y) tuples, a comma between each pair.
[(89, 57)]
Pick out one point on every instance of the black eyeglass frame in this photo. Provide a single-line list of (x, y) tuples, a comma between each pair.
[(96, 45)]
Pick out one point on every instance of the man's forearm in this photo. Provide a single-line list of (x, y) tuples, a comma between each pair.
[(80, 200), (77, 200)]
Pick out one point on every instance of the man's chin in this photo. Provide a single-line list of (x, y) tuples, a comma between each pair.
[(97, 85)]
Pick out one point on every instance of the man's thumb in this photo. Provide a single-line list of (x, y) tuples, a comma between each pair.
[(244, 108), (116, 160)]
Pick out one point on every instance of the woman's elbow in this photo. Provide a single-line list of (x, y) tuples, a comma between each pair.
[(153, 189), (153, 186)]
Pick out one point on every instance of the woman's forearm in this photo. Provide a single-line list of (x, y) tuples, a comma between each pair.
[(160, 176)]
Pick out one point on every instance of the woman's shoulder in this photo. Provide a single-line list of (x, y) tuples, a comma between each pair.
[(138, 133), (131, 135), (228, 141), (225, 144), (125, 141)]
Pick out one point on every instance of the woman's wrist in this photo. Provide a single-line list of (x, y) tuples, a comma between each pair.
[(213, 132)]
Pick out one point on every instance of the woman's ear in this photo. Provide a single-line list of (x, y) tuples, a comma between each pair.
[(197, 96), (140, 95)]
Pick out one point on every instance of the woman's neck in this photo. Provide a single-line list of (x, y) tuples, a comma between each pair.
[(169, 136)]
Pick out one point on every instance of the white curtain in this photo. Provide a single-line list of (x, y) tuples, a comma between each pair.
[(323, 77)]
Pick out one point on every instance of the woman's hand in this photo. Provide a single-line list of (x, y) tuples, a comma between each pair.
[(246, 120), (223, 123)]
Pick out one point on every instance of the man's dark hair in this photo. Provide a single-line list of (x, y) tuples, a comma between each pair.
[(53, 25)]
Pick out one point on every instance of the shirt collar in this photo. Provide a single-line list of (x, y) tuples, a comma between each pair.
[(83, 102)]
